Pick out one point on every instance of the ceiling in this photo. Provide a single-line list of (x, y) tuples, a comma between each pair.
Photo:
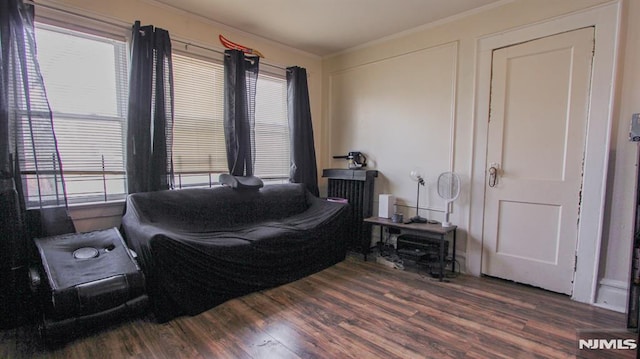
[(325, 27)]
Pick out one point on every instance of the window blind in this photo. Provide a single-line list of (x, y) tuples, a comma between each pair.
[(86, 82), (199, 151), (272, 128)]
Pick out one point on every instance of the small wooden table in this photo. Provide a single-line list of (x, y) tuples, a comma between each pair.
[(427, 228)]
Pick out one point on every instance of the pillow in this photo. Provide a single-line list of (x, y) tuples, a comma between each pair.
[(241, 182)]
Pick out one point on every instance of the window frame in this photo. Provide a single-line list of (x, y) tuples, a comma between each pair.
[(121, 71), (278, 74)]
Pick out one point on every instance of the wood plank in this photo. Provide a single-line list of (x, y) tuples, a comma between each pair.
[(287, 320), (354, 309)]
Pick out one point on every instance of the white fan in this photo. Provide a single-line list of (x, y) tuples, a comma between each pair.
[(449, 190)]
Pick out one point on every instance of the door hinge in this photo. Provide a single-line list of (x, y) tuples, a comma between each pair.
[(575, 263)]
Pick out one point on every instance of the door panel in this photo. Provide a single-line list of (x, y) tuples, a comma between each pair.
[(539, 104), (546, 237)]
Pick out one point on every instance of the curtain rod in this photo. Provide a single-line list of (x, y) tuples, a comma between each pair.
[(188, 44), (125, 26)]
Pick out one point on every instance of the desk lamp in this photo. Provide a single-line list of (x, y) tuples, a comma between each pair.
[(416, 176)]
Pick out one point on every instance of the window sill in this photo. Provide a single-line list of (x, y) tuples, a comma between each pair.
[(82, 211)]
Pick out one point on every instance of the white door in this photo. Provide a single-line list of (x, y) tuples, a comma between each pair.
[(536, 141)]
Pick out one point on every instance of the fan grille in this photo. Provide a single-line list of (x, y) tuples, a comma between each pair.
[(448, 186)]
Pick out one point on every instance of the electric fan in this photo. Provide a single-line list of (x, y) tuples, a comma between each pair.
[(449, 190)]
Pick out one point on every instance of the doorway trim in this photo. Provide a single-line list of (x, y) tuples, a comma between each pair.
[(606, 19)]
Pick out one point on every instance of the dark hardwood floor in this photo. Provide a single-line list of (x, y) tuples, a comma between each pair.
[(355, 309)]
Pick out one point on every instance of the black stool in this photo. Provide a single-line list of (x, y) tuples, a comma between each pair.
[(91, 279)]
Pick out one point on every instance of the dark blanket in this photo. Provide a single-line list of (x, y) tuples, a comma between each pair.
[(201, 247)]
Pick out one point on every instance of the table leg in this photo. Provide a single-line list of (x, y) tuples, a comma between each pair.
[(442, 239), (453, 259), (379, 241)]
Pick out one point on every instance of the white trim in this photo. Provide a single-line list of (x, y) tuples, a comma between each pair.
[(606, 19), (421, 28), (612, 294), (73, 18), (454, 105), (226, 27)]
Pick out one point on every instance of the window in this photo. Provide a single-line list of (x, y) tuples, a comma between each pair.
[(199, 151), (86, 82), (272, 128)]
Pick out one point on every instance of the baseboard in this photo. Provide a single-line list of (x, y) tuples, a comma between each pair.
[(612, 295), (461, 262)]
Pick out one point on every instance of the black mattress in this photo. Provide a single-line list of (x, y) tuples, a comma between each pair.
[(201, 247)]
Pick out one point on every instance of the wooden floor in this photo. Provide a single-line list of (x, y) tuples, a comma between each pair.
[(355, 309)]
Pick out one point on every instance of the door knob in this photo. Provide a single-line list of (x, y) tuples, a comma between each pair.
[(494, 169)]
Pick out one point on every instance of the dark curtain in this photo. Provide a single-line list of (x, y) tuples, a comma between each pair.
[(240, 81), (150, 113), (30, 169), (303, 154)]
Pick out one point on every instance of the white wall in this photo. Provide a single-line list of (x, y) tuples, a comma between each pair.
[(402, 133), (374, 104)]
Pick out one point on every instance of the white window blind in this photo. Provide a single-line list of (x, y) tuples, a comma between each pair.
[(199, 151), (86, 82), (272, 128)]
